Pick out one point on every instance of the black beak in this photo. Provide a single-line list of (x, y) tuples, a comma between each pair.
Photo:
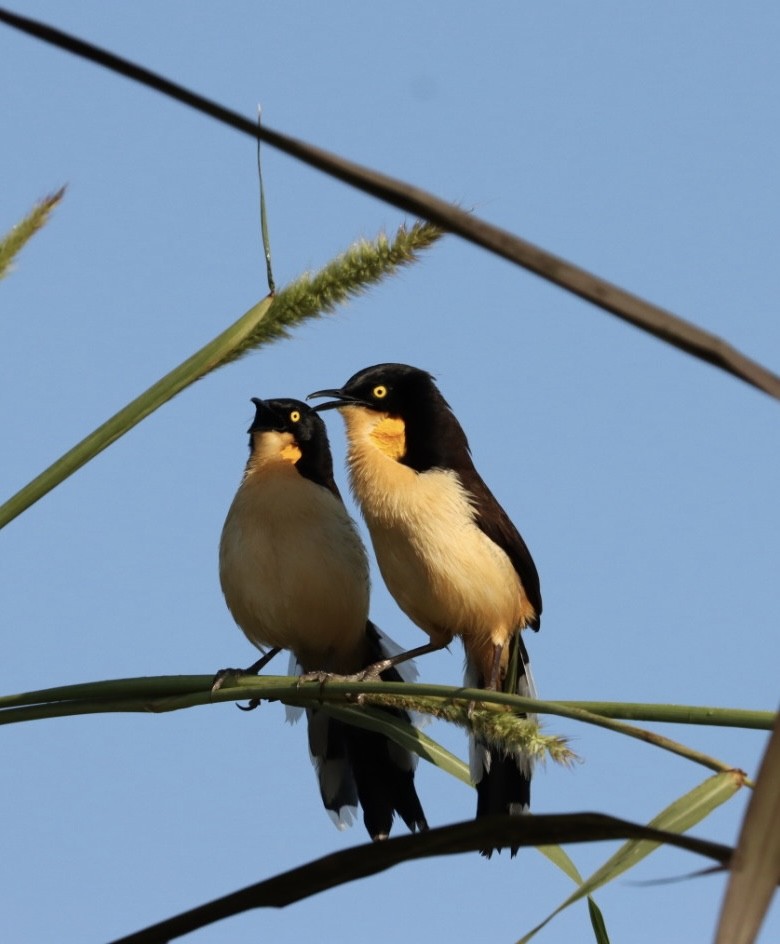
[(342, 399), (265, 418)]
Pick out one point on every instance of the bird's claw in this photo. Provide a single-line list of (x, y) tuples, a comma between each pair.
[(320, 677), (371, 673), (250, 706), (222, 676)]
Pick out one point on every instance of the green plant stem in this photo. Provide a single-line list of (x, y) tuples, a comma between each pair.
[(177, 692), (677, 714), (197, 688), (138, 409)]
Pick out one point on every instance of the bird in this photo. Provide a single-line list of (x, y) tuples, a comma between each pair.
[(447, 551), (295, 576)]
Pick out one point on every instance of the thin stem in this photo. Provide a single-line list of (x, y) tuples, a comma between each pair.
[(172, 694), (155, 688), (263, 214)]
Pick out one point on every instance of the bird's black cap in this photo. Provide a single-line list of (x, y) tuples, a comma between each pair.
[(285, 415), (389, 388)]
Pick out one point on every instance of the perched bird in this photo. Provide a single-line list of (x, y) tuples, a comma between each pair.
[(295, 576), (450, 556)]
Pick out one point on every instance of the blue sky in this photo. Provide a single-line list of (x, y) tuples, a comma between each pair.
[(637, 140)]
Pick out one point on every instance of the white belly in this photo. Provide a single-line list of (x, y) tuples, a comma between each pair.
[(294, 571)]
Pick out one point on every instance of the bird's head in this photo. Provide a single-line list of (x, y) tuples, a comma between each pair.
[(395, 389), (289, 429), (286, 415), (400, 410)]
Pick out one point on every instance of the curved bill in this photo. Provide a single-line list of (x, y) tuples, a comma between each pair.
[(342, 399)]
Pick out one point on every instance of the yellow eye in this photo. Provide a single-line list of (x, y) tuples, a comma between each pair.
[(380, 392), (295, 416)]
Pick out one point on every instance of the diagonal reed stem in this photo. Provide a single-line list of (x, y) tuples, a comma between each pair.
[(625, 305)]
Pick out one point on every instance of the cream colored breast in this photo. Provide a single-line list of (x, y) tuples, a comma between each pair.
[(293, 569), (441, 568)]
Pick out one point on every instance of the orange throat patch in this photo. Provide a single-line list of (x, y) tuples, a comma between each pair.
[(389, 436), (291, 453)]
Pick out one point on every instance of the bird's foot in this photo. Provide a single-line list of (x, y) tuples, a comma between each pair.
[(250, 705), (230, 675), (254, 669), (321, 677), (371, 673), (223, 676)]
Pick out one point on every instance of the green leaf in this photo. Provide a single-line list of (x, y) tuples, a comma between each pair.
[(558, 857), (12, 242), (195, 367), (597, 920), (676, 818)]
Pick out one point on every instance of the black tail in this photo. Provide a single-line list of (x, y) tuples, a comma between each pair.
[(329, 755), (503, 780), (354, 764)]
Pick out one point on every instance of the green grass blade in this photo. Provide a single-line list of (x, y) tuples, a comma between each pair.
[(195, 367), (309, 296), (12, 243), (558, 856), (263, 213), (597, 922), (676, 818)]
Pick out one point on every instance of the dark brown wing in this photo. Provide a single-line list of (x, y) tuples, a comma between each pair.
[(496, 524)]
